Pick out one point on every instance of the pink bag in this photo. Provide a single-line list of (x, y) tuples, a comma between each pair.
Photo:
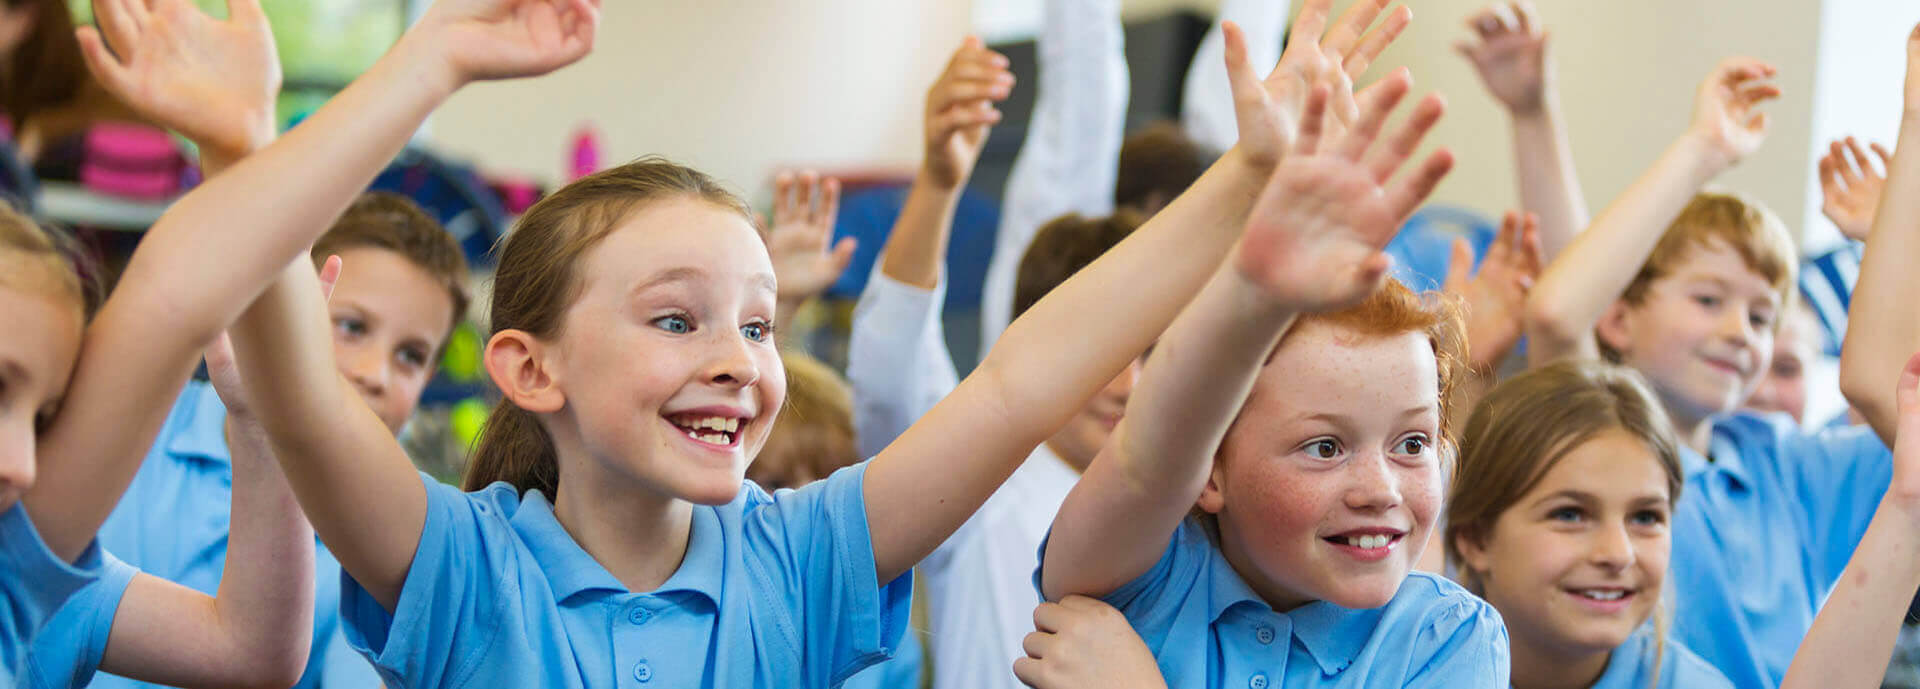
[(132, 161)]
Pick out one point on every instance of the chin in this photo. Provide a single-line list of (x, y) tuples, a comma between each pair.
[(1366, 592), (714, 493)]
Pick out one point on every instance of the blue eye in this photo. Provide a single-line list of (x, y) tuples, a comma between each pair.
[(679, 325), (1566, 514), (758, 332), (352, 327), (1648, 518)]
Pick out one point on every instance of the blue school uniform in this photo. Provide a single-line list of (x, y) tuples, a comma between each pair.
[(173, 523), (69, 648), (1635, 663), (774, 591), (1207, 628), (1762, 533), (33, 583)]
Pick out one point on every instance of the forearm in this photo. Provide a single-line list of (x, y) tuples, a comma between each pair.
[(1883, 303), (1549, 184), (917, 245), (1853, 636), (1114, 525), (1578, 286), (169, 634), (266, 591)]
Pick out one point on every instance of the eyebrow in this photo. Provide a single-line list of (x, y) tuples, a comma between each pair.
[(1338, 419)]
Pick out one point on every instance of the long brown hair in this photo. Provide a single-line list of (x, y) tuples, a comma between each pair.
[(539, 277), (45, 70)]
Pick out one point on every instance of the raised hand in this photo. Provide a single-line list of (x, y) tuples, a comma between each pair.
[(213, 81), (960, 112), (500, 39), (1315, 237), (1269, 110), (1851, 188), (1082, 642), (1511, 55), (805, 259), (1496, 296), (1724, 116)]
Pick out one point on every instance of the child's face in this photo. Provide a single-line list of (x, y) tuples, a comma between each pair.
[(1080, 440), (1327, 484), (36, 359), (1575, 565), (1784, 388), (671, 336), (1702, 335), (389, 317)]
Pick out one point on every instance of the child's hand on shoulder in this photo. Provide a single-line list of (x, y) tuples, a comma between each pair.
[(805, 259), (1726, 122), (1511, 55), (213, 81), (1496, 296), (503, 39), (1315, 237), (1851, 188), (1269, 111), (960, 112), (1081, 642), (1904, 492)]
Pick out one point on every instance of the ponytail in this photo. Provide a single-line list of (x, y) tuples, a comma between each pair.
[(515, 448)]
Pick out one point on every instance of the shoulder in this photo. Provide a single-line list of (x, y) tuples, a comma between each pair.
[(1681, 667), (1441, 612)]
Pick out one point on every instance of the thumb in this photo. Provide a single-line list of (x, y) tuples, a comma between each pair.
[(843, 253), (1908, 395), (1459, 266)]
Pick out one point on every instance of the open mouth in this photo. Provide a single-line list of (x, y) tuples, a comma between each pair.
[(718, 431), (1368, 545), (1603, 597)]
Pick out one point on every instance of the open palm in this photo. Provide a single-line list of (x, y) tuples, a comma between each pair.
[(1726, 107), (806, 260), (1511, 55), (500, 39), (213, 81), (1268, 111)]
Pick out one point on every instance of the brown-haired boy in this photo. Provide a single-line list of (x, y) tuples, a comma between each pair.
[(1688, 288)]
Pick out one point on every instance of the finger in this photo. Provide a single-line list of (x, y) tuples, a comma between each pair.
[(1310, 24), (1483, 24), (1757, 124), (1312, 122), (1347, 30), (1376, 42), (809, 196), (782, 198), (1504, 15), (1030, 672), (1049, 617), (829, 208), (1403, 142), (979, 70), (1037, 645), (843, 255), (1242, 79), (1408, 192), (1084, 604), (1459, 265), (1533, 250), (114, 19), (1843, 166), (1829, 178), (1860, 161), (1886, 156), (330, 274), (101, 63), (951, 122), (246, 12), (1372, 118), (1752, 95), (957, 92), (1523, 14)]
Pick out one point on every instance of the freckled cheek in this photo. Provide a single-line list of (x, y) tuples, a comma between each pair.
[(1287, 506), (1420, 491)]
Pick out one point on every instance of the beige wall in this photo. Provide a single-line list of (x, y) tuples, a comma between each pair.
[(733, 87)]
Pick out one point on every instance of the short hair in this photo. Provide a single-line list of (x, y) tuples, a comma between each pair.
[(385, 220), (1157, 163), (1744, 224), (1061, 248), (814, 435)]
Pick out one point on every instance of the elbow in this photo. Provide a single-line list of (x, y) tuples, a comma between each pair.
[(1547, 323), (274, 671), (1867, 386)]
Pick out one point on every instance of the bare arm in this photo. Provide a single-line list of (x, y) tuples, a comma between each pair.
[(1853, 636), (1596, 268), (1314, 243), (1883, 303), (959, 114)]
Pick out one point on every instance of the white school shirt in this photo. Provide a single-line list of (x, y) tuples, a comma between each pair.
[(1206, 99), (979, 582)]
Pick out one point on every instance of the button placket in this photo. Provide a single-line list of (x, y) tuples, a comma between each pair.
[(1257, 681), (642, 672)]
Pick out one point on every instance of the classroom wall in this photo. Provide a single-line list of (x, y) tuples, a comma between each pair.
[(733, 87)]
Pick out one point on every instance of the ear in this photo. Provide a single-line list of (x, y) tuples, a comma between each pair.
[(1473, 553), (1212, 499), (1615, 328), (516, 361)]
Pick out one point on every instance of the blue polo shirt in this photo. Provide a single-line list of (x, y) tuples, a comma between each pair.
[(68, 650), (774, 591), (1207, 628), (1636, 663), (1762, 533), (173, 523), (33, 583)]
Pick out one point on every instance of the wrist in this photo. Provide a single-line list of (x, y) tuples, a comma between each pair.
[(417, 59), (1701, 154)]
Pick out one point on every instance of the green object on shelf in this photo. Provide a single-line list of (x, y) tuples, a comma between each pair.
[(468, 417), (461, 360)]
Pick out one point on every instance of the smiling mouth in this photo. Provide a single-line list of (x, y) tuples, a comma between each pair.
[(1604, 596), (712, 430)]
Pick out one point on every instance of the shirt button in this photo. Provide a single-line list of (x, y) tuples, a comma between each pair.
[(642, 672), (1258, 681), (639, 616), (1263, 634)]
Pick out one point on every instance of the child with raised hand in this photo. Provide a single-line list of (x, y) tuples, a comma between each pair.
[(1770, 513), (631, 318), (1299, 401), (1559, 515), (978, 583), (1512, 60)]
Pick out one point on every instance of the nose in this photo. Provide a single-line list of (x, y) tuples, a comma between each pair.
[(366, 367), (16, 461), (1736, 328), (1374, 487), (1611, 548), (732, 363)]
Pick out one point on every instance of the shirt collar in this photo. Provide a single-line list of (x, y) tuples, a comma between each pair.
[(1332, 635), (570, 570), (1725, 450), (199, 425)]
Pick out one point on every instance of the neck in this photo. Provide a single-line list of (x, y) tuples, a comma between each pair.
[(1539, 667), (1280, 598), (1695, 433), (638, 533)]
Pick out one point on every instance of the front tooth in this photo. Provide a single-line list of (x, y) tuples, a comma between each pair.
[(733, 425), (1379, 541), (715, 438), (712, 423)]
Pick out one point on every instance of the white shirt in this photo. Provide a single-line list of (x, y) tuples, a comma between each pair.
[(979, 583)]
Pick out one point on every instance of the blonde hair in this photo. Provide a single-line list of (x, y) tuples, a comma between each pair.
[(539, 277), (814, 436), (1743, 224), (38, 259), (1525, 425)]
